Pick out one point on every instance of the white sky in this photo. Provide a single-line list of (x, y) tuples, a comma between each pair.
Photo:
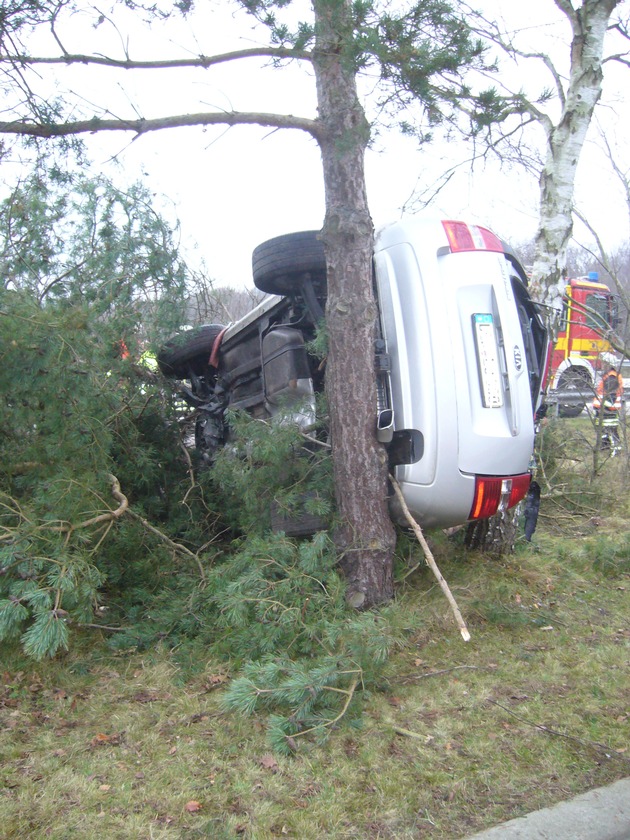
[(232, 189)]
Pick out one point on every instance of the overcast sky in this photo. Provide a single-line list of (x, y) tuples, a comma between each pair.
[(232, 189)]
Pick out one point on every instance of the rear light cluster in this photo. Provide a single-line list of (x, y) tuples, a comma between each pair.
[(463, 237), (492, 494)]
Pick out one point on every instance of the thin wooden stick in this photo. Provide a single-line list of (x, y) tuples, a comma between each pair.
[(428, 556), (177, 547), (609, 751)]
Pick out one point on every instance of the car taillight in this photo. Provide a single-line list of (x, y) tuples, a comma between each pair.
[(520, 486), (487, 497), (463, 237), (492, 493)]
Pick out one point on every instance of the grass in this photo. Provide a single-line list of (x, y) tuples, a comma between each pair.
[(457, 738)]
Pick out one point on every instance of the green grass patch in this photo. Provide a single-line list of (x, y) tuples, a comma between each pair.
[(452, 738)]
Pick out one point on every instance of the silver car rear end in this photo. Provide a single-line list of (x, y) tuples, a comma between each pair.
[(459, 374)]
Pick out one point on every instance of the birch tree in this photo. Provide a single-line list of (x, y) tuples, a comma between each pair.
[(416, 59), (564, 110), (566, 137)]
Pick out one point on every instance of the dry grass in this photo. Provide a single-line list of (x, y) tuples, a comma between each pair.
[(459, 736)]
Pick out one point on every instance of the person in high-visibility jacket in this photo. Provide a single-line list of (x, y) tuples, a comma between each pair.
[(609, 391), (607, 407), (148, 360)]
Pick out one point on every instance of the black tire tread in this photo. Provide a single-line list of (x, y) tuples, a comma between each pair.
[(572, 379), (188, 351), (277, 262)]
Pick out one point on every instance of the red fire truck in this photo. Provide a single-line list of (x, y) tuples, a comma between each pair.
[(589, 316)]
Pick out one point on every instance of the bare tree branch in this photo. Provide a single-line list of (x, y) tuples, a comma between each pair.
[(620, 58), (490, 30), (203, 61), (143, 126), (566, 7)]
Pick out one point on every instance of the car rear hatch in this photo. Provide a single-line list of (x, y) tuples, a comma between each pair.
[(460, 373)]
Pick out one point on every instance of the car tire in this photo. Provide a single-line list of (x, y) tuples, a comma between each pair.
[(188, 352), (574, 380), (278, 263)]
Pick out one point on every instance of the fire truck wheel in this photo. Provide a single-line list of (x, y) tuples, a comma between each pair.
[(278, 263), (576, 381), (188, 352)]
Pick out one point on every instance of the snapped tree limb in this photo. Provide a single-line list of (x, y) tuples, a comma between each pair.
[(431, 562)]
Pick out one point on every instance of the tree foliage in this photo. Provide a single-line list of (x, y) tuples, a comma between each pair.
[(99, 507), (416, 57), (270, 606), (83, 429)]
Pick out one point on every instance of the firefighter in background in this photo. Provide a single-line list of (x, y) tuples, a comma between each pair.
[(607, 408), (148, 360)]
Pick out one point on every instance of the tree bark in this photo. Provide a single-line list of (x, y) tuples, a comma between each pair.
[(494, 536), (365, 536)]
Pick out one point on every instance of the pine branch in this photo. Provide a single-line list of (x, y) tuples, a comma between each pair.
[(201, 61), (349, 692), (68, 528), (143, 126), (177, 547), (107, 627)]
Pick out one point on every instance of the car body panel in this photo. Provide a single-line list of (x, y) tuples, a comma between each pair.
[(428, 298), (459, 359)]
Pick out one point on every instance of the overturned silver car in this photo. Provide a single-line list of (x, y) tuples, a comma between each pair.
[(460, 360)]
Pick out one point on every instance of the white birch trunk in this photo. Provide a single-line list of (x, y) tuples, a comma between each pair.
[(565, 140)]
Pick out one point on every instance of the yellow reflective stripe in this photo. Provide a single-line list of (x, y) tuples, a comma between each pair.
[(579, 345), (149, 360)]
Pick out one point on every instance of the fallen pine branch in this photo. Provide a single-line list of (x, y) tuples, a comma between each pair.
[(349, 692), (177, 547), (109, 516), (123, 508)]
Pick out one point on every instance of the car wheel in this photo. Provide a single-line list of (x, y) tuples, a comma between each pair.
[(574, 380), (278, 263), (188, 352)]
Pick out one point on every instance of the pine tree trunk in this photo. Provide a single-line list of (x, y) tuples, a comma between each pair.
[(365, 537)]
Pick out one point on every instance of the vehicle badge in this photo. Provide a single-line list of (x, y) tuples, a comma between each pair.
[(518, 359)]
